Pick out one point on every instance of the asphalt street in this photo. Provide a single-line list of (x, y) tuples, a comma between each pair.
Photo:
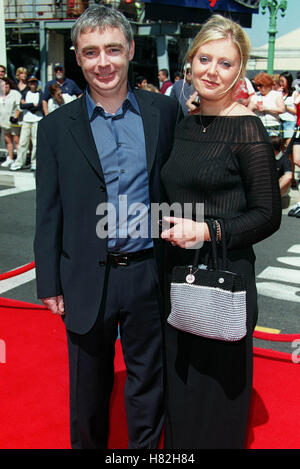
[(277, 258)]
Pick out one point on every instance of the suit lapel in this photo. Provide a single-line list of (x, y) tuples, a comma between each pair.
[(83, 136), (151, 122)]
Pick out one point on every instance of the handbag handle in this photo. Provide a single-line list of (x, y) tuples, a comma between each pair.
[(224, 244), (213, 244)]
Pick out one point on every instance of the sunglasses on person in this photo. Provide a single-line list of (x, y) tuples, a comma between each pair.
[(259, 85)]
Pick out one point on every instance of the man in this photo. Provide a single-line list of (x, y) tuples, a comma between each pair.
[(163, 78), (182, 89), (31, 105), (57, 97), (141, 82), (66, 84), (283, 165), (101, 150), (2, 75), (2, 84)]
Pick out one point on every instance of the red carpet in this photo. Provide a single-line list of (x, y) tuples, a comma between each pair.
[(34, 387)]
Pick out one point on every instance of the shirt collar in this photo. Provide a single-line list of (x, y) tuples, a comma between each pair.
[(130, 103)]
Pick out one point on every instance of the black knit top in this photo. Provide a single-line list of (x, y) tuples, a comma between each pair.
[(231, 169)]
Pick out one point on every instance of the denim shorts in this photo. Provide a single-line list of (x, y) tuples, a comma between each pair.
[(288, 128)]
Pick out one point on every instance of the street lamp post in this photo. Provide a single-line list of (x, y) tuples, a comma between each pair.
[(273, 6)]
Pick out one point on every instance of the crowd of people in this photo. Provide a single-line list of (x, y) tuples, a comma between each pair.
[(23, 104), (274, 99)]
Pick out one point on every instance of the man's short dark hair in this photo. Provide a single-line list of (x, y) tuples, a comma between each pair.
[(164, 72), (102, 17)]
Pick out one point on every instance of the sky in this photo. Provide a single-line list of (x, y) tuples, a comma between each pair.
[(258, 34)]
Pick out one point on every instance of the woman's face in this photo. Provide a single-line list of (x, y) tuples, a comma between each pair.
[(264, 89), (283, 83), (22, 76), (215, 68), (6, 88)]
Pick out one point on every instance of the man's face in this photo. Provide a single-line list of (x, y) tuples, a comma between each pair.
[(32, 85), (161, 76), (104, 59), (188, 75), (59, 73), (2, 73), (142, 84)]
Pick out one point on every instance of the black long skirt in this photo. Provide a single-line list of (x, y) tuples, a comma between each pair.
[(209, 382)]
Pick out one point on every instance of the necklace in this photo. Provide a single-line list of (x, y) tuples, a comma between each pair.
[(226, 114)]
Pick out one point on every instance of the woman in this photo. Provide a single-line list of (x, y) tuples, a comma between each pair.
[(58, 98), (222, 158), (267, 104), (296, 142), (21, 76), (288, 118), (295, 209), (9, 114)]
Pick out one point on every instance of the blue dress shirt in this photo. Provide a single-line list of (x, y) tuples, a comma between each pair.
[(120, 142)]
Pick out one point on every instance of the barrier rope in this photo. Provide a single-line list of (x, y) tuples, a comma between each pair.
[(256, 335), (275, 337), (18, 271), (273, 354)]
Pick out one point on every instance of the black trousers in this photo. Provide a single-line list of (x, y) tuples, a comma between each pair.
[(132, 302)]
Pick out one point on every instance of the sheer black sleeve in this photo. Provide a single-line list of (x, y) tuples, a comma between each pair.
[(257, 165)]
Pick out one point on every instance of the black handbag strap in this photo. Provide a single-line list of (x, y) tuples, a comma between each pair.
[(223, 244), (214, 247)]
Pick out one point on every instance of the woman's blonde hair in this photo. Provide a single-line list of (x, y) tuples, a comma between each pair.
[(19, 71), (219, 27)]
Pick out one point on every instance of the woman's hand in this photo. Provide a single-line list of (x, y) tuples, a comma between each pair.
[(185, 233), (193, 103)]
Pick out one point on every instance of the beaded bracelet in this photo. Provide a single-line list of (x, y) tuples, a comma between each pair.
[(217, 229)]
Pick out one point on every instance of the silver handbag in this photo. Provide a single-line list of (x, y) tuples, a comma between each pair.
[(209, 302)]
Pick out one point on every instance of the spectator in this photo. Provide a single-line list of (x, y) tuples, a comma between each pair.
[(182, 89), (2, 72), (178, 76), (58, 98), (283, 164), (9, 114), (141, 82), (2, 83), (67, 85), (243, 91), (295, 209), (163, 75), (267, 104), (31, 104), (276, 82), (21, 76), (152, 88), (2, 75), (288, 118)]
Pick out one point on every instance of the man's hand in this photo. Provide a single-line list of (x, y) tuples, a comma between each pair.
[(55, 304)]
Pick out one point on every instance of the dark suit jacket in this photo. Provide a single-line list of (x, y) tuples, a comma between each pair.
[(70, 257)]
